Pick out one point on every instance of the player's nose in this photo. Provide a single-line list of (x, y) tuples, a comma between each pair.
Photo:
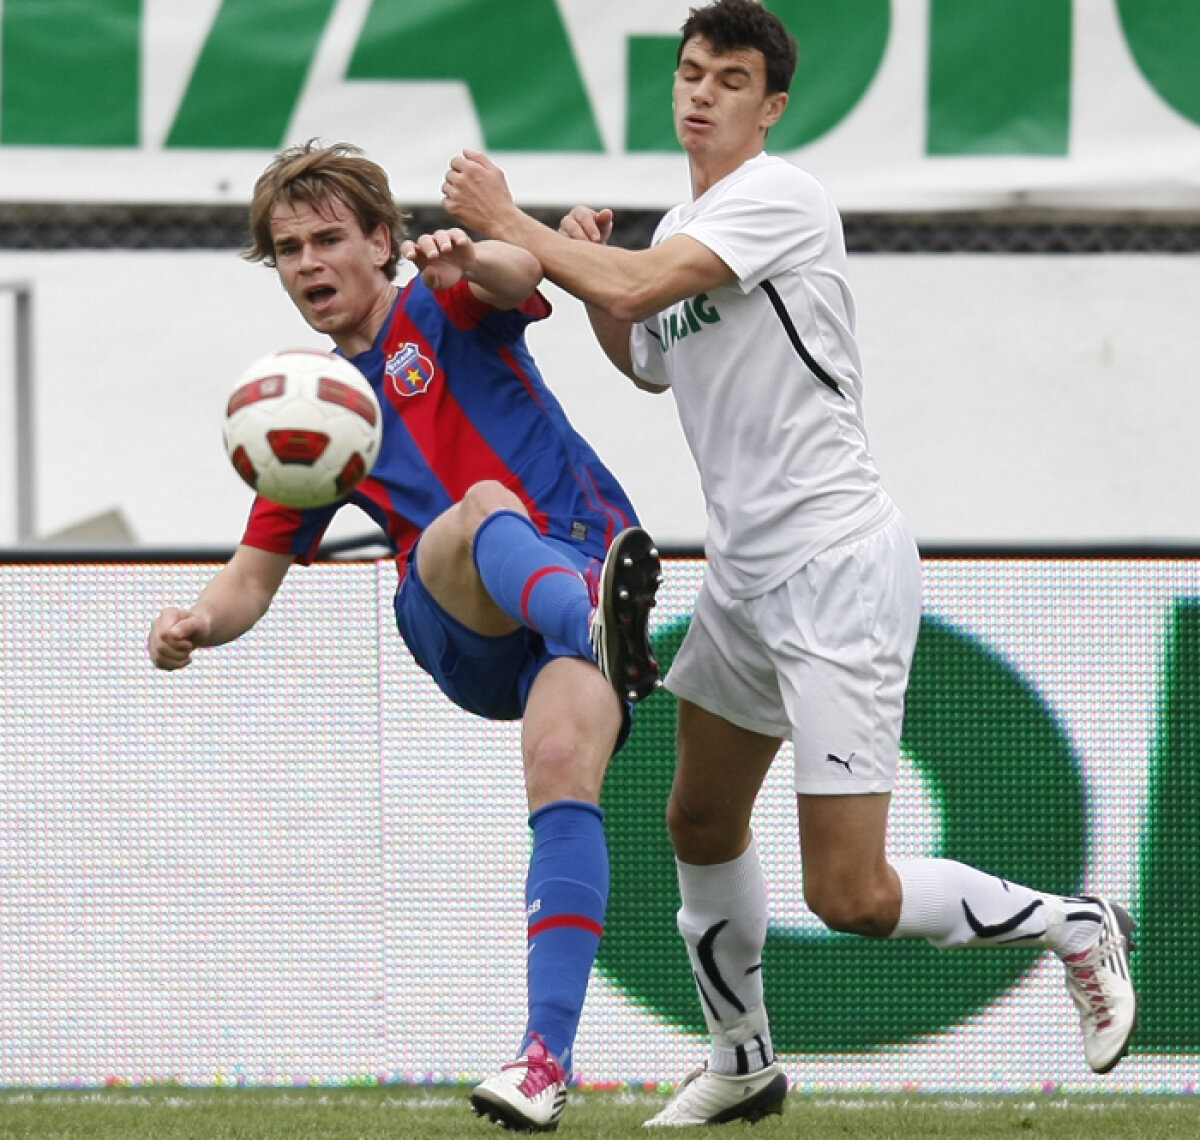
[(309, 256)]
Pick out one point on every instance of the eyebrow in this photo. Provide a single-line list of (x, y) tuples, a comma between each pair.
[(726, 69), (319, 232)]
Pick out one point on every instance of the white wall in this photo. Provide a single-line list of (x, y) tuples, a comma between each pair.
[(1009, 398), (1035, 398)]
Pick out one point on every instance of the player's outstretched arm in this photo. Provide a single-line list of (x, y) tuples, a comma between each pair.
[(238, 595), (500, 275), (629, 284)]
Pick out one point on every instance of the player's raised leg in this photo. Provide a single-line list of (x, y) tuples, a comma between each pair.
[(531, 580), (852, 888), (537, 585)]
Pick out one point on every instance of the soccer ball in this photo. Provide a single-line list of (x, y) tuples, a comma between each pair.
[(303, 427)]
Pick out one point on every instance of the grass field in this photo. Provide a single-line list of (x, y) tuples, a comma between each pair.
[(391, 1113)]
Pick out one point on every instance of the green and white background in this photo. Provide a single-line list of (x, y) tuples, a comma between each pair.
[(295, 861)]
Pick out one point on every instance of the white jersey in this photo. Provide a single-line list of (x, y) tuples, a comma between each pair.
[(766, 376)]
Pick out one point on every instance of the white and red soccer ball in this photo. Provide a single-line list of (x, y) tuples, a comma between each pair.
[(303, 427)]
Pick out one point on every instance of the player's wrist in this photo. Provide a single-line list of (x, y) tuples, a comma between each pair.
[(512, 225)]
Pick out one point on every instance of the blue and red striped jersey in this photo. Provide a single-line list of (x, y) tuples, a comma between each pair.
[(462, 401)]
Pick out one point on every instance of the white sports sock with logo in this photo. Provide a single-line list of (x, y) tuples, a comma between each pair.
[(723, 921), (950, 904)]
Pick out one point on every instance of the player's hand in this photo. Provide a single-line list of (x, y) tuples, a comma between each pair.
[(174, 636), (585, 224), (443, 257), (475, 191)]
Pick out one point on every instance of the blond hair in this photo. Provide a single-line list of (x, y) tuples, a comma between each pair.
[(315, 175)]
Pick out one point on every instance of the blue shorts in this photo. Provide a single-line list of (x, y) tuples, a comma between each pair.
[(488, 676)]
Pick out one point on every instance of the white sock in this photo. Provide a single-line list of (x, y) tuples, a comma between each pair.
[(723, 921), (950, 904)]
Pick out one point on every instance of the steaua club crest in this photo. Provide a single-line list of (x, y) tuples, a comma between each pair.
[(409, 371)]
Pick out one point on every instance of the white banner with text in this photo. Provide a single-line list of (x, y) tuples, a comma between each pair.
[(897, 105)]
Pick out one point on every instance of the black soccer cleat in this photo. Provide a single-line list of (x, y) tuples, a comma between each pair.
[(620, 632)]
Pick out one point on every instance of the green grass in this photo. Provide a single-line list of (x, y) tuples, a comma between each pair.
[(165, 1113)]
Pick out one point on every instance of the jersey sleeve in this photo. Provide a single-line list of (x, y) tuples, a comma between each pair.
[(772, 221), (645, 348), (497, 327), (286, 530)]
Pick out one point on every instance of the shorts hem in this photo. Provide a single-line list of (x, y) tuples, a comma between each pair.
[(705, 701), (844, 788)]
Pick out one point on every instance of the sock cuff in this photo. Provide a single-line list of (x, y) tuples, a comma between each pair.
[(719, 881), (923, 897), (564, 808), (492, 520)]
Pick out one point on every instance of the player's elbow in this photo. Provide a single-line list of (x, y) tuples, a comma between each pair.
[(524, 271), (646, 386), (631, 295), (633, 304)]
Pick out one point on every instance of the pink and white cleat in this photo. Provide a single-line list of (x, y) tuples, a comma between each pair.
[(528, 1094), (1102, 989)]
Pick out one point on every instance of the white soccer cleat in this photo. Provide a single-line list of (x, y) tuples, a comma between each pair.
[(1102, 989), (528, 1095), (714, 1098)]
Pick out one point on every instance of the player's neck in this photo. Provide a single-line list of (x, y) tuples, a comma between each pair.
[(707, 171), (360, 339)]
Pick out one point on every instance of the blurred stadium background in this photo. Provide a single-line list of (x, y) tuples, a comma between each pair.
[(267, 869)]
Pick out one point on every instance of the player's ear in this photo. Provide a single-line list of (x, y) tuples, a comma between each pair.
[(381, 244), (773, 109)]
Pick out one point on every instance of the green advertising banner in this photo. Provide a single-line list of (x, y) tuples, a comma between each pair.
[(297, 862), (897, 104)]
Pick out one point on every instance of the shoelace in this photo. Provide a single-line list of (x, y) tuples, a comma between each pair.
[(541, 1068), (692, 1077), (591, 577), (1087, 986)]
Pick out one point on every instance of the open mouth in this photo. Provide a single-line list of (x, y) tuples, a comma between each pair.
[(319, 296)]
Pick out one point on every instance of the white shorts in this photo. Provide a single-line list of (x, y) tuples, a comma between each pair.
[(823, 659)]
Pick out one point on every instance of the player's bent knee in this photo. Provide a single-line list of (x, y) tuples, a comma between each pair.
[(487, 497), (869, 914)]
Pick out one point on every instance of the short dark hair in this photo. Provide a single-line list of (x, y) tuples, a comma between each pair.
[(732, 24), (315, 175)]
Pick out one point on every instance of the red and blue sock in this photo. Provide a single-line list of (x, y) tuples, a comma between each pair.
[(566, 893), (532, 582)]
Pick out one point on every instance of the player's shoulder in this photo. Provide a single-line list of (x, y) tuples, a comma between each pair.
[(773, 173), (765, 178)]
